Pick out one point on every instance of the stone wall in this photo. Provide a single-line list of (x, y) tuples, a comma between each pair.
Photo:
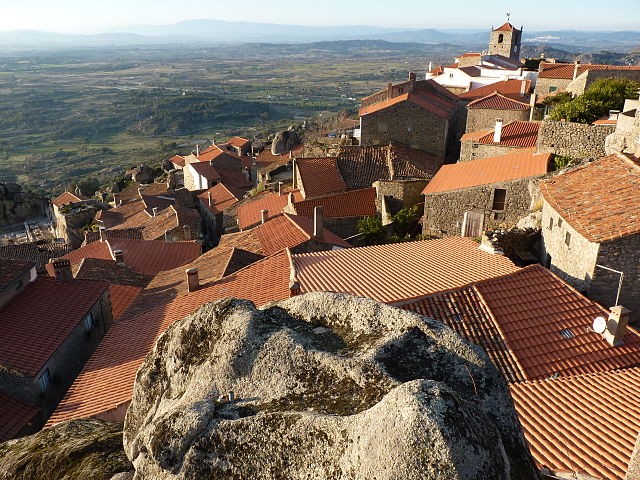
[(546, 85), (71, 218), (399, 194), (626, 135), (407, 124), (444, 212), (622, 254), (17, 206), (343, 227), (575, 140), (474, 151), (485, 118), (584, 81), (575, 262)]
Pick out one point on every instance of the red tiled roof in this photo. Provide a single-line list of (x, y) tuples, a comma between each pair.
[(605, 121), (401, 271), (320, 176), (521, 164), (509, 88), (585, 424), (566, 70), (177, 160), (496, 101), (221, 198), (475, 136), (601, 199), (505, 27), (14, 416), (36, 322), (515, 134), (66, 198), (206, 170), (106, 382), (249, 213), (239, 142), (407, 97), (12, 269), (121, 297), (353, 203)]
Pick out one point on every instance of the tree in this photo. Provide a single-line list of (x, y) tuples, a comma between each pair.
[(372, 231), (601, 96)]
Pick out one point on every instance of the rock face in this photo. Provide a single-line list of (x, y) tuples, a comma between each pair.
[(87, 449), (326, 386), (284, 141), (142, 174)]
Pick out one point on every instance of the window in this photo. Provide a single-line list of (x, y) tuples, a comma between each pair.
[(552, 89), (499, 197), (559, 222), (88, 322), (45, 380), (451, 75), (567, 333), (550, 223), (500, 38), (567, 239)]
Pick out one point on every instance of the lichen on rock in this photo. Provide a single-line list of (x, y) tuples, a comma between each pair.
[(326, 386)]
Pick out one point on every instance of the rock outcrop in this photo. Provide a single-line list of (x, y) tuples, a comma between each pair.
[(79, 449), (325, 386), (284, 141)]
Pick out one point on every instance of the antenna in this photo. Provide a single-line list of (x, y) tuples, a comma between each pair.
[(599, 325)]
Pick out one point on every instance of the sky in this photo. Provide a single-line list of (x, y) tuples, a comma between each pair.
[(93, 16)]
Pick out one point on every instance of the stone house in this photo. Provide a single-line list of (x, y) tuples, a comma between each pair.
[(627, 129), (467, 198), (500, 140), (48, 329), (576, 77), (200, 175), (483, 112), (238, 145), (590, 229), (211, 205), (419, 114)]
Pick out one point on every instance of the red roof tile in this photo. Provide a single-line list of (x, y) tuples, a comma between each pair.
[(353, 203), (12, 269), (515, 134), (585, 424), (249, 213), (407, 97), (106, 382), (14, 416), (401, 271), (495, 101), (66, 198), (217, 198), (177, 160), (239, 142), (505, 27), (319, 176), (566, 70), (509, 88), (122, 296), (514, 166), (206, 170), (38, 320), (601, 199)]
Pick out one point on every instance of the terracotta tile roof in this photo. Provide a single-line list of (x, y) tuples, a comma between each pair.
[(133, 233), (363, 165), (249, 212), (353, 203), (177, 160), (515, 134), (266, 161), (566, 70), (505, 27), (38, 320), (521, 164), (508, 88), (156, 188), (401, 271), (40, 254), (495, 101), (106, 382), (605, 121), (122, 296), (471, 70), (221, 198), (465, 312), (154, 228), (320, 176), (12, 269), (109, 271), (586, 424), (418, 100), (206, 170), (156, 201), (239, 142), (601, 199), (14, 416), (475, 136), (66, 198)]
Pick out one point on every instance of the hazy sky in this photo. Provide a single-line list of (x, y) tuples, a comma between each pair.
[(90, 16)]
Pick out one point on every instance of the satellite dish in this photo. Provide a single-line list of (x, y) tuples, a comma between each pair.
[(599, 325)]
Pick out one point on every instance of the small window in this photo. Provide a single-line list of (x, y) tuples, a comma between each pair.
[(88, 322), (45, 381), (451, 75), (19, 286), (567, 333), (552, 89), (550, 223), (559, 222), (501, 38), (567, 239), (499, 197)]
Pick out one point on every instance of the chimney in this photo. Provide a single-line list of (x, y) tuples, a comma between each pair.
[(187, 233), (430, 65), (412, 81), (389, 91), (523, 88), (575, 69), (62, 269), (247, 174), (293, 169), (497, 133), (154, 211), (290, 198), (318, 222), (197, 150), (613, 114), (119, 255), (290, 153), (213, 141), (264, 215), (193, 282), (616, 325), (532, 106), (211, 162), (279, 188), (103, 235), (209, 197)]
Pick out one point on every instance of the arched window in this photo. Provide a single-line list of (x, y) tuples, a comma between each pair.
[(500, 38)]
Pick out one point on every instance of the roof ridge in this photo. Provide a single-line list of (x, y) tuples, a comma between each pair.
[(289, 217)]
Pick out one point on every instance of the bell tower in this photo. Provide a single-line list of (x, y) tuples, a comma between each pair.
[(505, 40)]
